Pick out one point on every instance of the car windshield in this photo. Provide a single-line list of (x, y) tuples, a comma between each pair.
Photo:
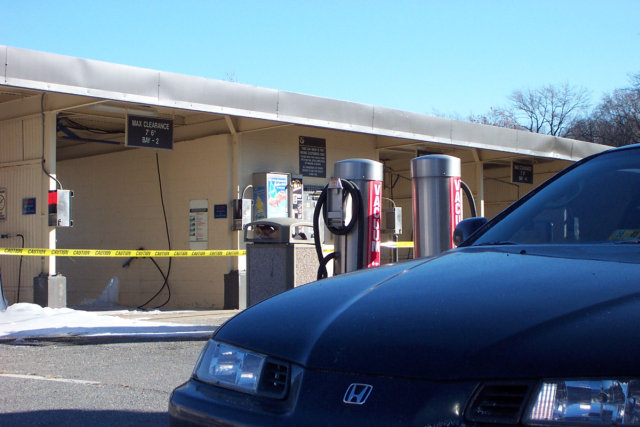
[(598, 201)]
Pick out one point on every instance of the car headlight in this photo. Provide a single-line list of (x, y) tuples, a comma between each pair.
[(231, 367), (592, 402)]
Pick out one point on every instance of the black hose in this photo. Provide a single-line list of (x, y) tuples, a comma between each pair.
[(472, 203), (322, 269), (360, 254), (356, 214), (356, 208), (166, 283), (166, 225)]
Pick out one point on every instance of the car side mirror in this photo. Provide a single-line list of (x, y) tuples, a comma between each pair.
[(467, 227)]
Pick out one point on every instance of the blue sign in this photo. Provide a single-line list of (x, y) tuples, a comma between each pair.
[(29, 206), (219, 211)]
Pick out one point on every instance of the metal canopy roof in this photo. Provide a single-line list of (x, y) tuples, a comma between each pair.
[(97, 86)]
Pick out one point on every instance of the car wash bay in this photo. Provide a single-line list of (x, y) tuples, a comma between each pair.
[(130, 197)]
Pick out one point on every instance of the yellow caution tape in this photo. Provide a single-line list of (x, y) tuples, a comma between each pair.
[(148, 254), (118, 253), (397, 245)]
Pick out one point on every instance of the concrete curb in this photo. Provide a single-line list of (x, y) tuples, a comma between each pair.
[(102, 339)]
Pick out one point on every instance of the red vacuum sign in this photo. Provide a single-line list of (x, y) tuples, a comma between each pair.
[(374, 224), (455, 204)]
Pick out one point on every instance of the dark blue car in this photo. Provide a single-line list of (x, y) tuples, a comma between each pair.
[(533, 320)]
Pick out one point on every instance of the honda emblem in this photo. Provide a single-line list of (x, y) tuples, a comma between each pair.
[(357, 394)]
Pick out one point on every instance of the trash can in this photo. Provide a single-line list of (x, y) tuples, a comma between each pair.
[(280, 256)]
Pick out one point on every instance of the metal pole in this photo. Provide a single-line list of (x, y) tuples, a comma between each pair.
[(367, 175), (437, 202)]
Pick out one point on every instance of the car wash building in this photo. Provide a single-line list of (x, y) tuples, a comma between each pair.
[(110, 157)]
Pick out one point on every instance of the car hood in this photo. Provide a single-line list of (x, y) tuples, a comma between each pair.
[(471, 313)]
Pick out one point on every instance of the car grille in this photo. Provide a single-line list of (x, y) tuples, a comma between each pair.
[(499, 403), (274, 380)]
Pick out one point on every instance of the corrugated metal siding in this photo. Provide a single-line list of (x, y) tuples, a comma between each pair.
[(32, 131), (22, 176), (11, 150), (500, 192), (116, 205)]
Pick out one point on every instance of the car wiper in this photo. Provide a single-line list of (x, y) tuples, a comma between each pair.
[(499, 243)]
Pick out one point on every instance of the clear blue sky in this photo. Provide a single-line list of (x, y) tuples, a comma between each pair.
[(446, 57)]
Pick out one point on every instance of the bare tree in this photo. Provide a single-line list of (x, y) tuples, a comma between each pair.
[(497, 117), (615, 121), (550, 109)]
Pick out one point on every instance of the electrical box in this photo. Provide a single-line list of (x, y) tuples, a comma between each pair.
[(60, 208), (241, 209), (392, 220)]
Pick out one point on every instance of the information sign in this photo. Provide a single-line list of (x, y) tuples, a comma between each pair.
[(29, 206), (296, 196), (313, 157), (521, 173), (219, 211), (198, 221), (149, 132)]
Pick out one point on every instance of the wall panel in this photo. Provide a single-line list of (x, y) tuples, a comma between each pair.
[(22, 177), (117, 205)]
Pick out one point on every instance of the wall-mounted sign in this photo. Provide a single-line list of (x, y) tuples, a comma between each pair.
[(29, 206), (219, 211), (521, 173), (149, 132), (313, 156), (198, 224), (296, 196)]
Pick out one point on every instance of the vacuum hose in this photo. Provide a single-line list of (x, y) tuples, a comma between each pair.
[(356, 213), (472, 203)]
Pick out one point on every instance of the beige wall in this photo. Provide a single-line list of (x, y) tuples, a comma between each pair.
[(117, 206), (500, 192), (401, 195), (277, 151), (22, 177)]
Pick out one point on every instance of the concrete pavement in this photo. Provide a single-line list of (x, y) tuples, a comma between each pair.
[(184, 317)]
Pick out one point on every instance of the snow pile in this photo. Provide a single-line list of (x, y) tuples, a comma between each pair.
[(24, 320), (108, 298)]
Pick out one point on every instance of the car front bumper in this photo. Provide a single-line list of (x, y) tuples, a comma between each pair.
[(318, 398)]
